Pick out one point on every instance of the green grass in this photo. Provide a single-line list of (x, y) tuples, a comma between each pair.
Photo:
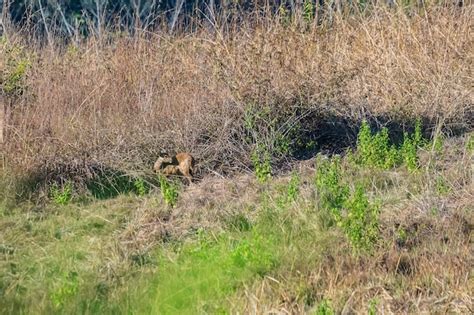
[(71, 257), (203, 274), (58, 257)]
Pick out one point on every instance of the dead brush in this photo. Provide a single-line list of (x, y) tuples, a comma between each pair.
[(176, 92)]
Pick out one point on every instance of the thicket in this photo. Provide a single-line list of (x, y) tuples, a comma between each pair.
[(247, 94)]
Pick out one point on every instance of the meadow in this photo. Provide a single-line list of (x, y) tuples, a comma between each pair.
[(335, 164)]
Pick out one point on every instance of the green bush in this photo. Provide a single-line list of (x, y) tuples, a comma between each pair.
[(17, 63), (169, 191), (61, 195), (374, 150), (360, 223), (332, 192), (324, 308), (141, 187), (353, 213), (261, 163)]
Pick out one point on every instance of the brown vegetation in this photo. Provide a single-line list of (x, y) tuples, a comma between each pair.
[(122, 100)]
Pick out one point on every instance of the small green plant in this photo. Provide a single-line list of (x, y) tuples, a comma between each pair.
[(141, 188), (372, 307), (470, 144), (374, 150), (324, 308), (14, 73), (332, 192), (361, 221), (308, 11), (409, 149), (169, 191), (261, 162), (442, 186), (69, 288), (293, 187), (61, 195), (438, 143)]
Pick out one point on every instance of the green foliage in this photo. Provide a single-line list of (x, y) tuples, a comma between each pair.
[(361, 222), (442, 186), (69, 286), (354, 214), (141, 187), (293, 188), (324, 308), (372, 307), (261, 163), (203, 273), (410, 146), (169, 191), (61, 195), (332, 192), (374, 149), (14, 72), (438, 143), (308, 11), (470, 144), (284, 15)]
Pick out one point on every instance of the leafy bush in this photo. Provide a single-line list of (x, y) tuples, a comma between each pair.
[(360, 223), (169, 191), (61, 195), (357, 217), (141, 188), (332, 192), (261, 162), (14, 72), (324, 308), (374, 149)]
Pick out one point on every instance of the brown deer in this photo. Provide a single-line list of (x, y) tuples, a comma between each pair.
[(181, 164)]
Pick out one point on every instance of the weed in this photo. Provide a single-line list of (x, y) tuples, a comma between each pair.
[(442, 186), (169, 191), (372, 307), (16, 66), (324, 308), (69, 287), (361, 222), (61, 195), (261, 162), (374, 150), (332, 192), (141, 188), (409, 149), (308, 11), (438, 143), (470, 144), (293, 188)]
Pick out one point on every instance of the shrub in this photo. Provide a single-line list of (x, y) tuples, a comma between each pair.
[(360, 223), (169, 191), (332, 192), (261, 163), (61, 195), (374, 149), (14, 72), (141, 188), (324, 308)]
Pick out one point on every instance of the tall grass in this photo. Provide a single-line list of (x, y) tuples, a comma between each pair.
[(121, 101)]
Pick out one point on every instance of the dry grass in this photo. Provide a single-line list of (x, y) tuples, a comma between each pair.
[(119, 104)]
